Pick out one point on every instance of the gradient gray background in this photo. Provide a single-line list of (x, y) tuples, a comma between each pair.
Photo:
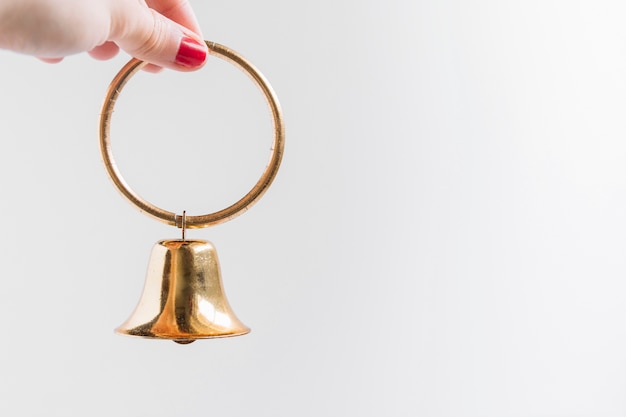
[(446, 236)]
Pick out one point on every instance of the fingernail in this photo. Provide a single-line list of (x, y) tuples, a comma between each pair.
[(191, 53)]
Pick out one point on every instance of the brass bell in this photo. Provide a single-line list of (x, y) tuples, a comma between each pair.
[(183, 299)]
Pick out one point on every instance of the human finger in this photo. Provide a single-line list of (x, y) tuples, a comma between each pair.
[(150, 36), (151, 68), (50, 60), (180, 11), (105, 51)]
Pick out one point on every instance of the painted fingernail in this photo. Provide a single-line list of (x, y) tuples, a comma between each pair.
[(191, 53)]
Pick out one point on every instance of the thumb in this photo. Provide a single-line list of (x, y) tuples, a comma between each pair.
[(147, 35)]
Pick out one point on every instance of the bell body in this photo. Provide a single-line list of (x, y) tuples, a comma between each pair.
[(183, 298)]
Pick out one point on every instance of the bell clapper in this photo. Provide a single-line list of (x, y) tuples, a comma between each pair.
[(184, 341)]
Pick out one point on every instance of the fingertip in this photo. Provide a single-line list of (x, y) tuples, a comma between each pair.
[(192, 54), (152, 68), (105, 51), (50, 60)]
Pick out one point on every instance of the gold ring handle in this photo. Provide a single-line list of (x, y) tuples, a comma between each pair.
[(217, 217)]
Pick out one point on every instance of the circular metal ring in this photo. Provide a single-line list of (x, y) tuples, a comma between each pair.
[(193, 222)]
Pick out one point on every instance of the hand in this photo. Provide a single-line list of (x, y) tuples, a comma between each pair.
[(162, 32)]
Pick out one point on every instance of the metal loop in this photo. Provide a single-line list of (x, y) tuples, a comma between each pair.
[(193, 222), (183, 224)]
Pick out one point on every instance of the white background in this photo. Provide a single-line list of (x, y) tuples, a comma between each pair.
[(446, 236)]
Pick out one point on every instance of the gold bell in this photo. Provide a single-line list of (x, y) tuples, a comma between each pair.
[(183, 298)]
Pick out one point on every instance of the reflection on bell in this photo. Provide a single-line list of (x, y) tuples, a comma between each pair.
[(183, 299)]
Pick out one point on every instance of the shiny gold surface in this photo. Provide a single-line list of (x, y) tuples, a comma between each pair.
[(205, 220), (183, 298)]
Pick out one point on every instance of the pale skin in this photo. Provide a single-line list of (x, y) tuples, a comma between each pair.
[(162, 32)]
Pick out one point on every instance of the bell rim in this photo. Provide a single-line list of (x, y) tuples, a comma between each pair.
[(184, 337)]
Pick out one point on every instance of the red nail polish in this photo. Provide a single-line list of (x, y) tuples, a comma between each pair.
[(191, 53)]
